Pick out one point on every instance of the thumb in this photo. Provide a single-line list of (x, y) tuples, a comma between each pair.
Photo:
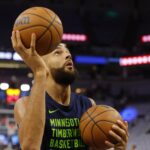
[(33, 43)]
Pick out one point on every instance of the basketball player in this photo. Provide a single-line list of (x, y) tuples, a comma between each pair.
[(48, 119)]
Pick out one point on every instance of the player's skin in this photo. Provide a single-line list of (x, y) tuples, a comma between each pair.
[(30, 111)]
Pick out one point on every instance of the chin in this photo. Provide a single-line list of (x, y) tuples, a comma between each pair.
[(70, 69)]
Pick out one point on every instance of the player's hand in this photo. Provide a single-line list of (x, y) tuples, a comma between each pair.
[(29, 56), (119, 133)]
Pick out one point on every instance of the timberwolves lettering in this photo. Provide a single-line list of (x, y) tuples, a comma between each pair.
[(65, 133), (23, 20)]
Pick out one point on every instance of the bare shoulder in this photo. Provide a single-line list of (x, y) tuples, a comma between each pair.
[(92, 101), (20, 109)]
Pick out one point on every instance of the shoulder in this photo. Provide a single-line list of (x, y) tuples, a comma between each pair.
[(84, 99), (20, 108)]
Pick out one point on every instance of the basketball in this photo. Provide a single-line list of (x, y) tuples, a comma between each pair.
[(95, 124), (44, 23)]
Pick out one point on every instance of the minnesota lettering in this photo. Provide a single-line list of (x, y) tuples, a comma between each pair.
[(65, 133)]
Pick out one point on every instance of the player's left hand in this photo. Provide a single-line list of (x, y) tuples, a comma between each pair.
[(120, 134)]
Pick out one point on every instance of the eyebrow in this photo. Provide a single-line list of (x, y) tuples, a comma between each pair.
[(61, 45)]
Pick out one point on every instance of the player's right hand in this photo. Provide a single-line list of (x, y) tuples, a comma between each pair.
[(29, 56)]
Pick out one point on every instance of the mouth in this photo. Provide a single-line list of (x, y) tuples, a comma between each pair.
[(69, 63)]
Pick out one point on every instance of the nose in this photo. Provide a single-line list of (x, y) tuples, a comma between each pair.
[(68, 56)]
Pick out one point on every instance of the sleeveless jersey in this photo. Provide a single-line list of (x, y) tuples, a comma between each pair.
[(62, 124)]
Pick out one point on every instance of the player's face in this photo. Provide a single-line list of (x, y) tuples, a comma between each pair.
[(61, 57), (61, 65)]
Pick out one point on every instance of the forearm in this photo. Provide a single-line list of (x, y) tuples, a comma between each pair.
[(32, 126)]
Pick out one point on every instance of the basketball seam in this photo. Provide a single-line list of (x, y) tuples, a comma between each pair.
[(93, 135), (94, 116), (53, 24), (102, 113), (57, 31), (96, 124), (32, 27), (88, 121), (36, 16), (50, 16), (49, 45), (87, 116), (85, 127), (38, 26), (106, 121), (58, 23), (46, 12), (109, 137), (100, 120), (47, 28)]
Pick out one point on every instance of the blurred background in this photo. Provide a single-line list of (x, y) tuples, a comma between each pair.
[(110, 44)]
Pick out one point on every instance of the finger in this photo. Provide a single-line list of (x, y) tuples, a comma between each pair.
[(33, 42), (20, 45), (121, 132), (13, 39), (109, 144), (126, 123), (115, 136), (123, 125)]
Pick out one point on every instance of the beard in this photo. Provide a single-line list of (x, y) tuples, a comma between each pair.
[(63, 77)]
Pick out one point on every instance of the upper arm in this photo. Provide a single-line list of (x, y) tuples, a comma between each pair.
[(20, 109)]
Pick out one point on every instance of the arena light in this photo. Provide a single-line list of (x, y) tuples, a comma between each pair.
[(130, 113), (4, 86), (10, 56), (17, 57), (12, 91), (90, 60), (25, 87), (3, 139), (5, 55), (134, 60), (12, 95), (145, 38), (15, 139), (83, 59), (74, 37)]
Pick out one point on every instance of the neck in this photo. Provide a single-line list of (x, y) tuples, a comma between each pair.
[(60, 93)]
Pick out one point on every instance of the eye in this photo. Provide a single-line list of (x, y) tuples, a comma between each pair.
[(57, 52)]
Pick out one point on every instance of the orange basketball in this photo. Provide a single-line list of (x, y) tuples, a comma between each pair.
[(96, 123), (44, 23)]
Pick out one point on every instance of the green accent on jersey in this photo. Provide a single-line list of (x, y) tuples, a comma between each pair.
[(52, 111)]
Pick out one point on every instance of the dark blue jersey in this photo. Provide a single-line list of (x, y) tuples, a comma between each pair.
[(62, 124)]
